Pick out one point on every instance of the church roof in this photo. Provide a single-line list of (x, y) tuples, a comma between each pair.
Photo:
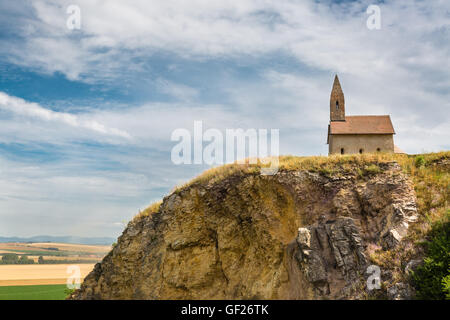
[(363, 125)]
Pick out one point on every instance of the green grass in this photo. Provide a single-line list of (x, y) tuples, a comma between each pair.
[(38, 292)]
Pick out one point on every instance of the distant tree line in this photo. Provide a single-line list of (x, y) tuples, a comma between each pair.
[(13, 258), (41, 260)]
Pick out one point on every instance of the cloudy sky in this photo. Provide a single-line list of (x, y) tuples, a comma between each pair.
[(86, 114)]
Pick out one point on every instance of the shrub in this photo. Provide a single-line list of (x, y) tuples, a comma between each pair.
[(68, 292), (446, 285), (372, 169), (432, 278), (420, 161)]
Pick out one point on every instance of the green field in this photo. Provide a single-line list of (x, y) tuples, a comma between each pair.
[(39, 292)]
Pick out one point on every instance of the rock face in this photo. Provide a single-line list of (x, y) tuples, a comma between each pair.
[(294, 235), (333, 250)]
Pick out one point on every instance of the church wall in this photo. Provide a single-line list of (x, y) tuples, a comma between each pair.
[(352, 143)]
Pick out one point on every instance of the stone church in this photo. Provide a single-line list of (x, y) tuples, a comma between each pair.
[(357, 134)]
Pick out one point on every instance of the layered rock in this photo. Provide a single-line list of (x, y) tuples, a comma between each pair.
[(332, 256), (294, 235)]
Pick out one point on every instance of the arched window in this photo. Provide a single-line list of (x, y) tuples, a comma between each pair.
[(337, 105), (342, 150), (361, 151), (378, 149)]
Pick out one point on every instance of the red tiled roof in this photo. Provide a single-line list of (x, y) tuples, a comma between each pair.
[(363, 125)]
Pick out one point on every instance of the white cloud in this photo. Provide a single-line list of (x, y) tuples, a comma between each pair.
[(329, 37), (179, 91), (402, 70), (34, 110)]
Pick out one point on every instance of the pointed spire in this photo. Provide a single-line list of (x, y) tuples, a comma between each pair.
[(336, 84), (337, 102)]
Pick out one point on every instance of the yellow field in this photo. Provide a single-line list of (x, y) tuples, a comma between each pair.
[(85, 258), (42, 274), (14, 275), (72, 247), (44, 247), (17, 247), (10, 251)]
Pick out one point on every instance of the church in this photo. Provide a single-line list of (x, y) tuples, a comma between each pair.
[(357, 134)]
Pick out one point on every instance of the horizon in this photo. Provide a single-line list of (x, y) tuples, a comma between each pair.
[(86, 114)]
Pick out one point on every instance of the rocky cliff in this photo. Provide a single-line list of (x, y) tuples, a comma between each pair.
[(299, 234)]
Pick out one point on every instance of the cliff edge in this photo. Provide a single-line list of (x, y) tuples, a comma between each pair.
[(299, 234)]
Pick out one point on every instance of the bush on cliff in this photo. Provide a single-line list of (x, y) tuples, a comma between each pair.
[(432, 279)]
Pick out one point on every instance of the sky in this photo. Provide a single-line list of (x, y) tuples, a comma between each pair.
[(86, 115)]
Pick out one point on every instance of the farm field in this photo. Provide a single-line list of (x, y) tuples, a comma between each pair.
[(54, 249), (71, 247), (47, 279), (37, 281), (36, 274), (56, 252), (65, 258), (37, 292)]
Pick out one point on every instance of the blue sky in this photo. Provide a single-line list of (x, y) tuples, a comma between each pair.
[(86, 115)]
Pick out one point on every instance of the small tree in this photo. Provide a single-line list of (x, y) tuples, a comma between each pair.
[(41, 260), (25, 260), (10, 258)]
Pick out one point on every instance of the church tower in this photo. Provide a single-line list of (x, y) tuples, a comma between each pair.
[(337, 102)]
